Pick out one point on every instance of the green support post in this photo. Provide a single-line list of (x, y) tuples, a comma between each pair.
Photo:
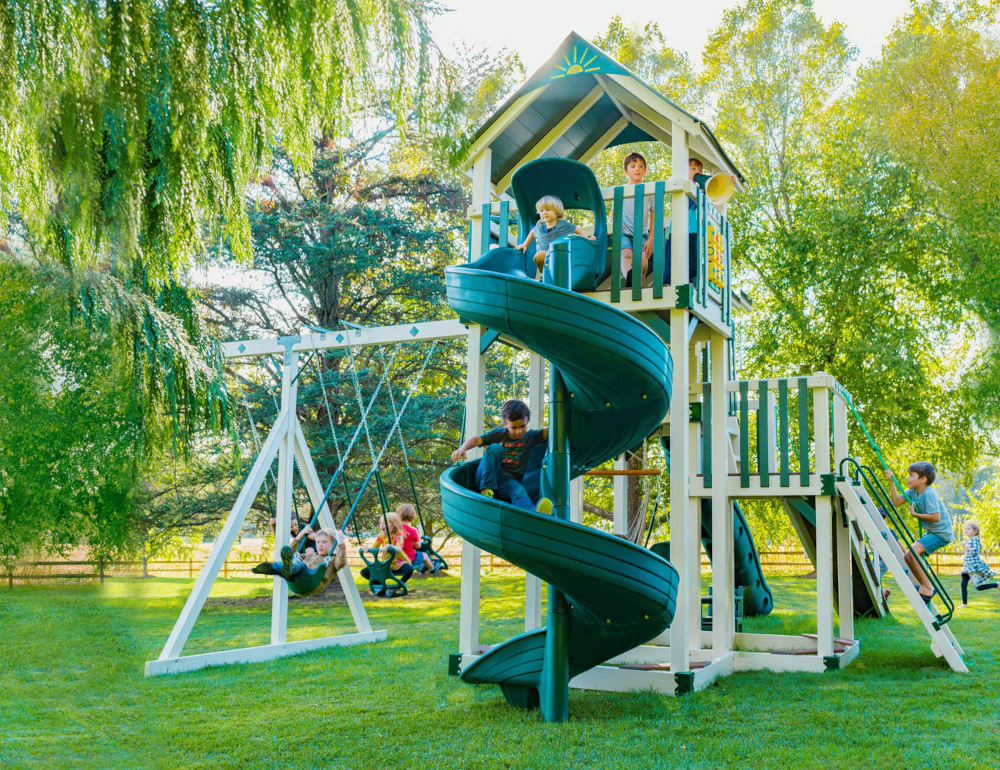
[(744, 434), (554, 689), (706, 433), (763, 434), (803, 431), (484, 236), (783, 434), (638, 209), (659, 246), (504, 224), (616, 246)]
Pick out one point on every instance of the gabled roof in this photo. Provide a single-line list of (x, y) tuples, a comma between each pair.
[(577, 104)]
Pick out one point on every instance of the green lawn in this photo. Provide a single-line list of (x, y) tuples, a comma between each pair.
[(72, 691)]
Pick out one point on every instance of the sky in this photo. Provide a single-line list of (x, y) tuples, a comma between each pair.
[(536, 35)]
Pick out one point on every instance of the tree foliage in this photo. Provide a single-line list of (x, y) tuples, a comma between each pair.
[(131, 127)]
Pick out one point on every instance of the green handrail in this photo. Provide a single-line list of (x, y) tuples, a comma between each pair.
[(871, 441), (864, 474)]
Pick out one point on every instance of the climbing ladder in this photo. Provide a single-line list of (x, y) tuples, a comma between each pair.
[(861, 509)]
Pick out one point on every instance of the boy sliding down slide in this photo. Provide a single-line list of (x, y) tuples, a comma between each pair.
[(504, 462)]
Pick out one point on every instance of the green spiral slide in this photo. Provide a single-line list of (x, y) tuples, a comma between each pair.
[(612, 378)]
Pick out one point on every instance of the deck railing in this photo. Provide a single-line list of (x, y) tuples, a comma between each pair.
[(712, 282)]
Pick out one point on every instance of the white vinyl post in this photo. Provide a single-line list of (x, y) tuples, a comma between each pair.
[(536, 400), (480, 195), (475, 397), (286, 466), (693, 544), (224, 543), (722, 507), (824, 527), (576, 500), (680, 517), (679, 212), (619, 508), (845, 604)]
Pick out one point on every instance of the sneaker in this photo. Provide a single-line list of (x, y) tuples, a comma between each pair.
[(886, 592), (264, 568), (380, 592), (390, 593), (487, 493), (286, 562), (544, 506)]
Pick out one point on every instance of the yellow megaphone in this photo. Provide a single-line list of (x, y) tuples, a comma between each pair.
[(718, 187)]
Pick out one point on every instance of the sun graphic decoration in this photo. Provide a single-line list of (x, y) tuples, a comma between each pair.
[(578, 65)]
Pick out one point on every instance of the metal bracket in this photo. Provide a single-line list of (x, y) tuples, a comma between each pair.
[(287, 343), (455, 664), (684, 681)]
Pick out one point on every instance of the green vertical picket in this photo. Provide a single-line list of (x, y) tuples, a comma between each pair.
[(659, 246), (783, 430), (702, 228), (744, 434), (803, 431), (504, 224), (638, 222), (763, 433), (727, 301), (484, 237), (616, 245), (706, 434)]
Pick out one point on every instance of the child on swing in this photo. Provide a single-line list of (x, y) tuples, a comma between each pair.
[(329, 554), (421, 561), (401, 566)]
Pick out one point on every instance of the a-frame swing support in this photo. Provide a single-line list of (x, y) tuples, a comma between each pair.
[(286, 441)]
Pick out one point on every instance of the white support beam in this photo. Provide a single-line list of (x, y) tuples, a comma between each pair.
[(224, 543), (286, 486), (555, 133), (422, 331), (475, 395), (693, 544), (605, 139), (722, 507), (845, 593), (257, 654), (501, 124), (824, 526), (576, 500), (619, 507), (643, 94), (481, 194), (536, 402), (680, 518), (679, 245)]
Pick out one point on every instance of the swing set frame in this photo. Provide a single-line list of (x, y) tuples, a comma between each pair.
[(287, 442)]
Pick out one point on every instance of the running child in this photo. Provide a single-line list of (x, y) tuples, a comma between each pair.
[(974, 567)]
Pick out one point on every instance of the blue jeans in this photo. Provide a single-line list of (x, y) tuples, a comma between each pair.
[(490, 475), (299, 567)]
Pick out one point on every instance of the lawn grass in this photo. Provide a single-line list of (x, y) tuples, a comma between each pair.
[(72, 691)]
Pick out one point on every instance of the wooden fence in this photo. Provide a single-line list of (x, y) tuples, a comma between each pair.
[(774, 562)]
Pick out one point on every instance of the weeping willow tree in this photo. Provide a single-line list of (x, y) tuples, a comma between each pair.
[(129, 132)]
